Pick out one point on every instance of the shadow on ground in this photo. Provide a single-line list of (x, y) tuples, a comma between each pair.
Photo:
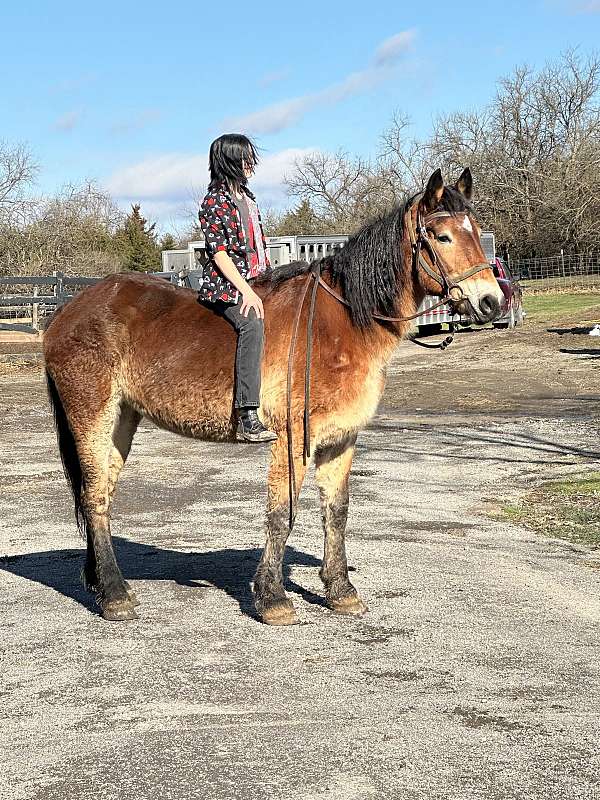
[(230, 570), (525, 447), (594, 352), (576, 330)]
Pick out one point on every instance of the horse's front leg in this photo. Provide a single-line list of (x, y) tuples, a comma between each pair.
[(272, 604), (332, 473)]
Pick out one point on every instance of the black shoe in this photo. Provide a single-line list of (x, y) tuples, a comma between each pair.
[(251, 429)]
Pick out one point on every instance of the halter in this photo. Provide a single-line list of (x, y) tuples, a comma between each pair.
[(419, 241)]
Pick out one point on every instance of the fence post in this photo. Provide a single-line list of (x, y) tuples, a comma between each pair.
[(58, 287), (35, 311)]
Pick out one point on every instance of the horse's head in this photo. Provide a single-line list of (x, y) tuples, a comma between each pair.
[(449, 259)]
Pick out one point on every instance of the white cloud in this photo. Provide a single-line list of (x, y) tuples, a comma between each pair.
[(70, 85), (135, 122), (165, 176), (167, 183), (282, 115), (273, 118), (268, 183), (272, 77), (391, 49), (576, 6), (586, 7), (67, 122)]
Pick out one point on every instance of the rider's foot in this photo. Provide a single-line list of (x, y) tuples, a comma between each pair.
[(251, 429)]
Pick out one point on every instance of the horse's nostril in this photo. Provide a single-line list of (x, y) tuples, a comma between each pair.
[(489, 307)]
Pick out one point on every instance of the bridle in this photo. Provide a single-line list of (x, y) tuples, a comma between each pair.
[(437, 270)]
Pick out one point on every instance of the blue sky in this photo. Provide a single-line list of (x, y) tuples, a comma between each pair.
[(131, 95)]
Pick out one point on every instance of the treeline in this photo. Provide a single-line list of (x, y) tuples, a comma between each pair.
[(80, 231), (534, 153)]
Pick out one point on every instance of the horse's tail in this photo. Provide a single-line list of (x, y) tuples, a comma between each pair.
[(68, 450)]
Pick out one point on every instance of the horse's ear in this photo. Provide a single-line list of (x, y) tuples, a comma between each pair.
[(433, 192), (464, 184)]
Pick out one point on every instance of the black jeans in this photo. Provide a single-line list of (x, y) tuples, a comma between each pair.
[(249, 351)]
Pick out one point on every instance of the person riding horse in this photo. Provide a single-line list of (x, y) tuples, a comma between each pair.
[(237, 254)]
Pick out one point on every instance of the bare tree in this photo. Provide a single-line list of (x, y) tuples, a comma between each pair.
[(343, 191), (534, 152), (73, 232), (17, 173), (404, 161)]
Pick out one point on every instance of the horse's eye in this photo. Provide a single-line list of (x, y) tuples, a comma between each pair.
[(443, 238)]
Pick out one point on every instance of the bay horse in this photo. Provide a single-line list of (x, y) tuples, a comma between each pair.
[(133, 345)]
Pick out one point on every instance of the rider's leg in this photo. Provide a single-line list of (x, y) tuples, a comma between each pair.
[(248, 355), (248, 361)]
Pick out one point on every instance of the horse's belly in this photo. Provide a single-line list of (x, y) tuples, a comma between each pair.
[(187, 389)]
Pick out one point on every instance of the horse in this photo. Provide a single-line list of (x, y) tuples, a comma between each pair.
[(133, 345)]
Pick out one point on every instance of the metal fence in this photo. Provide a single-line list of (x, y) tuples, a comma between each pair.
[(581, 271)]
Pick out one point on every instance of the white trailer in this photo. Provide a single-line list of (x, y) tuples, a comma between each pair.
[(282, 250)]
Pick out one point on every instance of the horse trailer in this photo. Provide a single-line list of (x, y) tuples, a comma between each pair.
[(281, 250)]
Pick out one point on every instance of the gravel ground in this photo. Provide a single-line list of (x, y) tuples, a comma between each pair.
[(476, 673)]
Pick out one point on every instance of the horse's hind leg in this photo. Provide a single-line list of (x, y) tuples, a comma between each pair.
[(95, 447), (272, 604), (122, 436), (332, 473), (123, 433)]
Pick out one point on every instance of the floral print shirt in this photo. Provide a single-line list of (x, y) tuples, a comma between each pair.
[(223, 232)]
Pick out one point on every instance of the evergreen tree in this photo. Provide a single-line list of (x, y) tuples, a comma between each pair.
[(136, 241), (302, 221), (167, 242)]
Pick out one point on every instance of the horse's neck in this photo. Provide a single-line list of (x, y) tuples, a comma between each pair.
[(387, 336), (377, 343)]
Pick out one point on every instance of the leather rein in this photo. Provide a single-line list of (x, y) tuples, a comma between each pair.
[(419, 241)]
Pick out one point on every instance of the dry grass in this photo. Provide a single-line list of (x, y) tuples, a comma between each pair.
[(567, 509)]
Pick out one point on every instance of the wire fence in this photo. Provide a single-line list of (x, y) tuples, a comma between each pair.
[(578, 272)]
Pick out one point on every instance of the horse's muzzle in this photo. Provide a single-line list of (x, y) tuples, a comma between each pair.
[(486, 310), (489, 309)]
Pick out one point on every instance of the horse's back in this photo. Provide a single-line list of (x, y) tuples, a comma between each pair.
[(126, 309), (151, 342)]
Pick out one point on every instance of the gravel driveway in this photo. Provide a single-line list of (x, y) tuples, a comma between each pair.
[(476, 673)]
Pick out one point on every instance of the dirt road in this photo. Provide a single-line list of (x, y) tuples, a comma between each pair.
[(476, 673)]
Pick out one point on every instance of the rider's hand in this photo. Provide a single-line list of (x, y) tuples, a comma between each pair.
[(251, 300)]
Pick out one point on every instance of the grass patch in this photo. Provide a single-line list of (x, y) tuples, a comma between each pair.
[(568, 509), (548, 306)]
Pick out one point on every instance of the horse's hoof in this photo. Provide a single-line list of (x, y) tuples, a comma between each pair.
[(351, 605), (118, 611), (131, 595), (280, 614)]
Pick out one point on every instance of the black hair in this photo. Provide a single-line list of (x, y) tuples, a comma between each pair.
[(369, 267), (227, 157)]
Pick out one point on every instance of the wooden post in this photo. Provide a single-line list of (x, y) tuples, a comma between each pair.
[(35, 311), (58, 287)]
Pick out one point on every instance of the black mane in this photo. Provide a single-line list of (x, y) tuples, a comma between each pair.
[(369, 268)]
